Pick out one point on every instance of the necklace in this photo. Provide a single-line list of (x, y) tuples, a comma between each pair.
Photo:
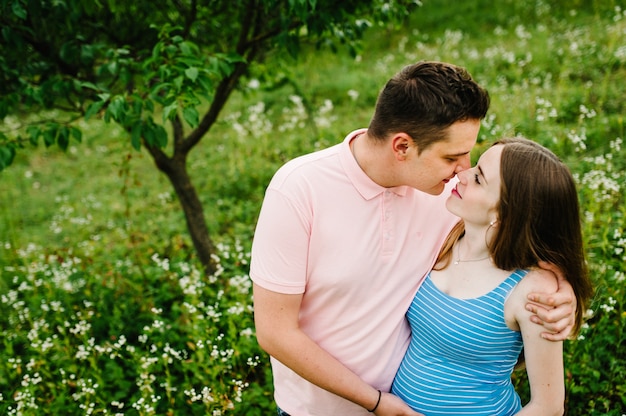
[(458, 260), (458, 256)]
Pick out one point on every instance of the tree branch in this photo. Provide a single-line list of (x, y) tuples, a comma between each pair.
[(161, 160), (248, 51), (180, 150), (189, 14)]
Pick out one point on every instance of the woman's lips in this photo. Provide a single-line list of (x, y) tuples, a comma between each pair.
[(455, 192)]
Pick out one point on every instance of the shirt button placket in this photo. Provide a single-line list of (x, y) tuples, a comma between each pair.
[(388, 234)]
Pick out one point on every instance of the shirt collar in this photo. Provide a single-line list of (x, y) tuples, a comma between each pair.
[(363, 183)]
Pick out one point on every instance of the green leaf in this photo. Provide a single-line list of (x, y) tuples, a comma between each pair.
[(170, 50), (93, 108), (206, 84), (33, 134), (190, 114), (156, 51), (116, 108), (148, 134), (77, 134), (169, 111), (135, 135), (63, 137), (234, 58), (160, 135), (192, 73), (7, 154), (49, 135), (226, 68), (155, 134), (69, 51), (159, 90), (87, 53), (18, 10), (112, 67), (178, 82), (4, 108), (149, 105), (89, 85), (187, 48)]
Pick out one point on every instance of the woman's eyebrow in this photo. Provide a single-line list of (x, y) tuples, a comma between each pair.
[(482, 173)]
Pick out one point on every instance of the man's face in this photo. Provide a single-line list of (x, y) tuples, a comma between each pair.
[(438, 164)]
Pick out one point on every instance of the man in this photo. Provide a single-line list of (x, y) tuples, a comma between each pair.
[(346, 235)]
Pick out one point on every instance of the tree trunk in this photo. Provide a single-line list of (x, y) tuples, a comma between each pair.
[(175, 169), (194, 216)]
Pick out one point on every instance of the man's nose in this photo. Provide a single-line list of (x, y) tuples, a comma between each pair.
[(464, 164)]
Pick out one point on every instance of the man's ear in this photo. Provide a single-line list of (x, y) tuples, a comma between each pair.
[(401, 143)]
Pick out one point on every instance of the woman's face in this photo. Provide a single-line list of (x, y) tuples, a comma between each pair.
[(476, 196)]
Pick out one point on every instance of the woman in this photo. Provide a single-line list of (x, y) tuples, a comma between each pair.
[(518, 206)]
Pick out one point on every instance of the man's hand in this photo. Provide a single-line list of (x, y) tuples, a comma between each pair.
[(555, 311), (391, 405)]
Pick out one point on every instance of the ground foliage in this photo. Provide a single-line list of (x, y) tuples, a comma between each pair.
[(104, 308)]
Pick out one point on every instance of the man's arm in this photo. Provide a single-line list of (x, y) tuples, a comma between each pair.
[(555, 311), (279, 334)]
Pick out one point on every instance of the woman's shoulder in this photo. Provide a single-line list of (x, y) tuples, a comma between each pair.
[(538, 280)]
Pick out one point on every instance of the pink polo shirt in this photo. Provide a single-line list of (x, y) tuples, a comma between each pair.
[(358, 252)]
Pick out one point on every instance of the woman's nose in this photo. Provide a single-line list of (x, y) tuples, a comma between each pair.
[(463, 174)]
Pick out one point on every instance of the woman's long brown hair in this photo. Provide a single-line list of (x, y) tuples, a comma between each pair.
[(538, 218)]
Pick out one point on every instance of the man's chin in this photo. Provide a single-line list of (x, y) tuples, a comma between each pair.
[(436, 190)]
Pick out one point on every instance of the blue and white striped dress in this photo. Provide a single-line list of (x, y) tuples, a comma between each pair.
[(461, 355)]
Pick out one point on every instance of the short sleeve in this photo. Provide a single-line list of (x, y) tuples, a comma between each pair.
[(280, 245)]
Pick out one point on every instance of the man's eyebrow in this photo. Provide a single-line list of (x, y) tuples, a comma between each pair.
[(457, 154)]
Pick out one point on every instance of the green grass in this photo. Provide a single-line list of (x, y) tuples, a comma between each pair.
[(101, 303)]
